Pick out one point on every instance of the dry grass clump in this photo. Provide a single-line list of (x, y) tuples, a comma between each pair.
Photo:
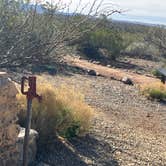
[(62, 111), (154, 91)]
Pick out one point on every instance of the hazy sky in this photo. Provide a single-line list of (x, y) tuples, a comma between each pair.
[(143, 7), (150, 11)]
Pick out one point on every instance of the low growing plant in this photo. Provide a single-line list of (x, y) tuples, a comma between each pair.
[(154, 91), (156, 73), (62, 111)]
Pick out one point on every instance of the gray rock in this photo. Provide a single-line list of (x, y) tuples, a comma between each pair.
[(92, 73), (32, 145), (127, 80), (96, 62), (109, 66), (139, 72)]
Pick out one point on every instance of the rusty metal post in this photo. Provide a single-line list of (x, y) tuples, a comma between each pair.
[(30, 94), (26, 137)]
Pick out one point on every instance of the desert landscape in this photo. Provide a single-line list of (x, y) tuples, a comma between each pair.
[(92, 87)]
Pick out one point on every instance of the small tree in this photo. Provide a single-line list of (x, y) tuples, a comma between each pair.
[(103, 37), (157, 37)]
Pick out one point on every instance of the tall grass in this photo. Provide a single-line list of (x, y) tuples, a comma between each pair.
[(62, 111)]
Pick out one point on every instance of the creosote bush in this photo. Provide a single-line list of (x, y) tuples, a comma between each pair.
[(105, 39), (154, 91), (156, 73), (62, 112)]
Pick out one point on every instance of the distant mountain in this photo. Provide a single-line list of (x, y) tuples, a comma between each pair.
[(137, 23), (41, 9), (131, 27), (28, 6), (121, 24)]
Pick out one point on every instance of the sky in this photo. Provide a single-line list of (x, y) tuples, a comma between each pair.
[(146, 11)]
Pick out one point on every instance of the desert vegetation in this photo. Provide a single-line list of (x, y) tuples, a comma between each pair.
[(33, 33), (103, 95), (62, 111), (154, 91)]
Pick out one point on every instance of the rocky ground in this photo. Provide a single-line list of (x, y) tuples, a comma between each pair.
[(140, 66), (127, 128)]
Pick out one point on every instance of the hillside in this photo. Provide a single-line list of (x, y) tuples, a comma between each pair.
[(127, 127), (97, 96)]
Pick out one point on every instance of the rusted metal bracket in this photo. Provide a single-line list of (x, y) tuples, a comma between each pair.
[(31, 93)]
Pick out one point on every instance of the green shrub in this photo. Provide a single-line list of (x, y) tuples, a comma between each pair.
[(62, 112), (44, 68), (156, 73), (154, 91), (89, 50), (157, 94), (104, 38)]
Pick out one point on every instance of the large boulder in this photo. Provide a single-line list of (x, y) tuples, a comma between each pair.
[(33, 135), (8, 116), (11, 135)]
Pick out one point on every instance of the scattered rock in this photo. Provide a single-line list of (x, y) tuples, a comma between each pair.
[(115, 133), (149, 75), (127, 80), (96, 62), (93, 73), (109, 66), (91, 61), (138, 72)]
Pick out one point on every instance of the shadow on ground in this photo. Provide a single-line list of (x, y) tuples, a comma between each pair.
[(144, 57), (126, 65), (55, 69), (98, 151), (82, 151)]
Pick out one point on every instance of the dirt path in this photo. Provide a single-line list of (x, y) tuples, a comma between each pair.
[(116, 74)]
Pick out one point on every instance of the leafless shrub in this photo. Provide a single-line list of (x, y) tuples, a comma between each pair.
[(33, 33)]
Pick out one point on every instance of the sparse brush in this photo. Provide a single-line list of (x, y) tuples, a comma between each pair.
[(62, 110), (156, 73), (154, 91)]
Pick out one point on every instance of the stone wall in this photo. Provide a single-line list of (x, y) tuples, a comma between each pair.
[(8, 117)]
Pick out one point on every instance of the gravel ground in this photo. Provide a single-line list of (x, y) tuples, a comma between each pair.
[(141, 66), (127, 128)]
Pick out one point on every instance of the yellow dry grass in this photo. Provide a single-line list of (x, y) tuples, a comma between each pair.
[(62, 110)]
